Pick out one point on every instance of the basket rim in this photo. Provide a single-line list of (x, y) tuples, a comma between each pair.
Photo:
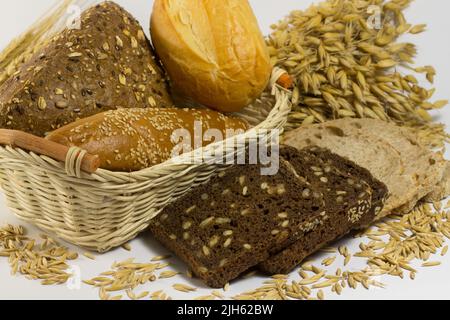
[(277, 115)]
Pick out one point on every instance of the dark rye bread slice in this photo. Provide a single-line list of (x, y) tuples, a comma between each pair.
[(107, 63), (341, 167), (237, 220), (258, 216), (353, 195)]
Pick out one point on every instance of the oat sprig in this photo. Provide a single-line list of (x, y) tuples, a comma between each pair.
[(346, 65)]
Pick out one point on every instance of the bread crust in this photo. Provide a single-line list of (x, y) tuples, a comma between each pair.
[(212, 50)]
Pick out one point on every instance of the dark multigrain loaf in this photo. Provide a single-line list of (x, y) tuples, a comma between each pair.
[(353, 194), (295, 209), (107, 63)]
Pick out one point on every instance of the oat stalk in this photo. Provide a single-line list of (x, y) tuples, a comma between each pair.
[(347, 66)]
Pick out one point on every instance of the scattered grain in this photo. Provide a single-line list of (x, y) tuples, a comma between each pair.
[(431, 264), (328, 261), (184, 288), (46, 261), (161, 258), (320, 295), (89, 255), (168, 274)]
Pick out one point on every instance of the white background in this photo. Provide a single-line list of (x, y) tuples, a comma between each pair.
[(434, 49)]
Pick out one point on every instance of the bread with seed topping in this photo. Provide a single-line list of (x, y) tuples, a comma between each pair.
[(107, 63), (135, 139)]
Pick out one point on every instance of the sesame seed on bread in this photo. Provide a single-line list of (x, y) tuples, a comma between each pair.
[(134, 139)]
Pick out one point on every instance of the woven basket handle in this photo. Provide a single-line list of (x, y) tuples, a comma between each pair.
[(88, 163)]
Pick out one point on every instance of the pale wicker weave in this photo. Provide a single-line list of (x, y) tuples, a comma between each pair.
[(106, 209)]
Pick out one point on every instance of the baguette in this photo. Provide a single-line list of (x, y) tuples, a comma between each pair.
[(105, 64), (134, 139)]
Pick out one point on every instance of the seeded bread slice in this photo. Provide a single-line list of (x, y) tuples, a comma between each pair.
[(353, 195), (370, 152), (392, 154), (341, 174), (237, 220), (107, 63), (425, 168), (241, 218)]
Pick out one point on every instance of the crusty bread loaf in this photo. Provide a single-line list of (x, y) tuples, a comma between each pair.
[(213, 51), (392, 154), (108, 63), (134, 139)]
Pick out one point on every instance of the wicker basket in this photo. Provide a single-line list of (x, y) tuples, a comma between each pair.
[(105, 209)]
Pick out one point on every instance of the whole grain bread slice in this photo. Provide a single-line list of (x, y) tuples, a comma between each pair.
[(354, 191), (392, 154), (241, 218), (424, 167), (235, 221), (107, 63)]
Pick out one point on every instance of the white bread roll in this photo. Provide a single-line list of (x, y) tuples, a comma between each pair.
[(213, 51)]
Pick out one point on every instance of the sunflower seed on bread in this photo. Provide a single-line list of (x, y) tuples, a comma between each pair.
[(354, 196)]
